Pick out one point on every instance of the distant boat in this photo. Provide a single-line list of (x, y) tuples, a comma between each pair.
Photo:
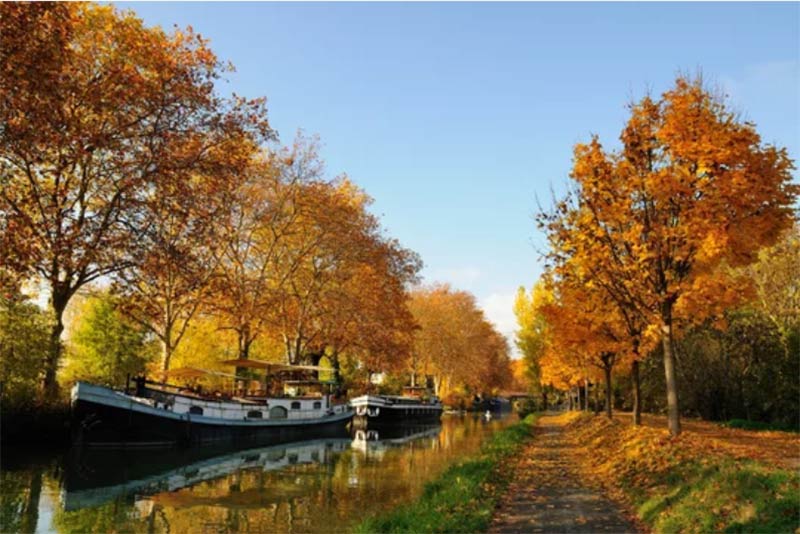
[(392, 409), (164, 415)]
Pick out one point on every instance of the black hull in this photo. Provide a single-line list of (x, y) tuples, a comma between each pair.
[(399, 416), (100, 425)]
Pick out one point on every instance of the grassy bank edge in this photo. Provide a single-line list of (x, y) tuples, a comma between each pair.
[(678, 485), (463, 498)]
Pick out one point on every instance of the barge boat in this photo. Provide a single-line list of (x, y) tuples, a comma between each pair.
[(163, 415), (374, 410)]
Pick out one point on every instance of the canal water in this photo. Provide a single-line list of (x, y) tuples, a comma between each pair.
[(318, 485)]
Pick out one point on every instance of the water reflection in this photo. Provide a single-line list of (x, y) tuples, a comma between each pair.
[(375, 443), (87, 480), (318, 485)]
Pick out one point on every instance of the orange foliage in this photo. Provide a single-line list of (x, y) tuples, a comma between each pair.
[(98, 112), (653, 226), (456, 344)]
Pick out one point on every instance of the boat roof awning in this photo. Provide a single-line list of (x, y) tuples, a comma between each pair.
[(309, 382), (194, 372), (270, 366)]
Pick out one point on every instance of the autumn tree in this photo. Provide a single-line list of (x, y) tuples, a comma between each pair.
[(585, 252), (344, 281), (267, 239), (95, 109), (367, 315), (181, 243), (586, 326), (499, 372), (455, 343), (332, 240), (261, 212), (532, 334), (692, 188)]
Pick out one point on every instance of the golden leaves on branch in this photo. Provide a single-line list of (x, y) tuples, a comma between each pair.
[(651, 235), (456, 344), (100, 114)]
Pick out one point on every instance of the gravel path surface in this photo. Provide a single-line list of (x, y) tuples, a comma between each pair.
[(548, 496)]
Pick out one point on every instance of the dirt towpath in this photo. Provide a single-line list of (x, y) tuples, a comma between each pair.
[(547, 495)]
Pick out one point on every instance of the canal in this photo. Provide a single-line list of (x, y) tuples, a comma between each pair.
[(319, 485)]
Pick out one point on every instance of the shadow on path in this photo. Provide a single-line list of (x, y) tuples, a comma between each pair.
[(547, 495)]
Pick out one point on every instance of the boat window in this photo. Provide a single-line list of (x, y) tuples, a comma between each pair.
[(196, 410), (295, 405), (254, 414), (278, 412), (276, 456), (317, 405)]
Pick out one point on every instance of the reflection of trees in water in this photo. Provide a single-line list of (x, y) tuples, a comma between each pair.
[(332, 495), (20, 492), (329, 494), (119, 515)]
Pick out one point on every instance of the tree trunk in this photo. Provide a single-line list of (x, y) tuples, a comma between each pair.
[(298, 344), (166, 354), (596, 399), (244, 343), (544, 400), (58, 303), (413, 369), (637, 393), (570, 400), (673, 413), (337, 374), (609, 408), (586, 395)]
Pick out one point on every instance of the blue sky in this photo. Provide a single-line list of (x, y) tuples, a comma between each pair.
[(455, 117)]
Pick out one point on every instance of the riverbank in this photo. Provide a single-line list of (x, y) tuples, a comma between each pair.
[(463, 498), (35, 426), (693, 483)]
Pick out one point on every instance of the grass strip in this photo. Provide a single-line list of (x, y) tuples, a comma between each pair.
[(724, 496), (463, 498)]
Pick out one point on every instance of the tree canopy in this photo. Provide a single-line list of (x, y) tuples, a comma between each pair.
[(655, 233)]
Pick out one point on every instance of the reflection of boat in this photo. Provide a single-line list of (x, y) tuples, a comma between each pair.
[(372, 410), (158, 414), (101, 476), (378, 440)]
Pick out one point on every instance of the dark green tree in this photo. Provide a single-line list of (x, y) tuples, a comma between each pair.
[(24, 337)]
